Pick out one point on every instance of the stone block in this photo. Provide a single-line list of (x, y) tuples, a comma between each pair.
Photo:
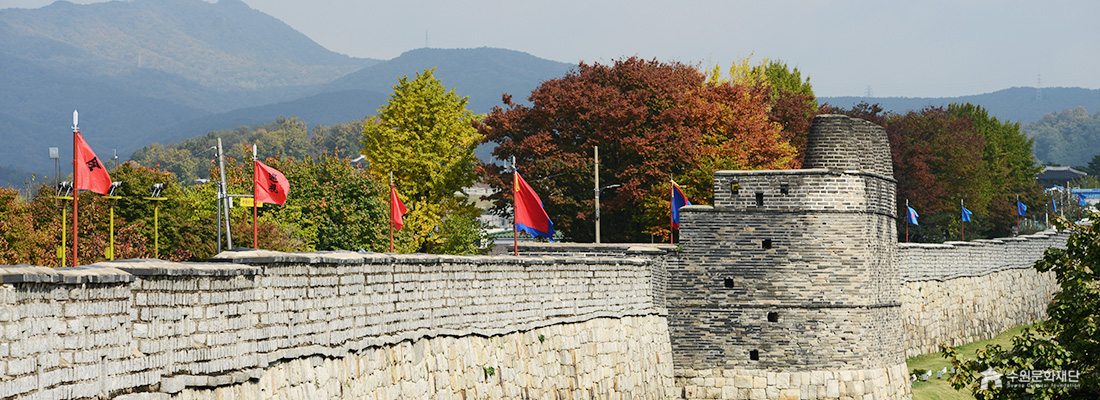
[(832, 389), (759, 382)]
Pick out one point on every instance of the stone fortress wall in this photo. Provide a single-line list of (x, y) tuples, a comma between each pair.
[(791, 286), (960, 292), (334, 325), (951, 294)]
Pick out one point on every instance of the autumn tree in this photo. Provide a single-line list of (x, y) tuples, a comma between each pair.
[(21, 240), (937, 161), (791, 101), (425, 136), (942, 156), (651, 120)]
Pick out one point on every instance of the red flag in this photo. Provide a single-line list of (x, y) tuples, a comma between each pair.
[(530, 216), (269, 185), (397, 210), (89, 172)]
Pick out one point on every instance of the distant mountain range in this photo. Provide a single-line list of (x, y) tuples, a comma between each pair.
[(1019, 104), (161, 71), (148, 71)]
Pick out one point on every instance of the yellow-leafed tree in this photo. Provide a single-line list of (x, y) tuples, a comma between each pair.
[(426, 137)]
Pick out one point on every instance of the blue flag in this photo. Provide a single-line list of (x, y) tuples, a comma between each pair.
[(1054, 204), (1021, 208), (966, 214), (1080, 199), (912, 216), (678, 200)]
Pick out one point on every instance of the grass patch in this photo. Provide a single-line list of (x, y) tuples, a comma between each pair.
[(940, 389)]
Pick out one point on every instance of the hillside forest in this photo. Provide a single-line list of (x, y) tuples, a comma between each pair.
[(652, 120)]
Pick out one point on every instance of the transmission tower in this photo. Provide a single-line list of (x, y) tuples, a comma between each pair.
[(1039, 88), (870, 93)]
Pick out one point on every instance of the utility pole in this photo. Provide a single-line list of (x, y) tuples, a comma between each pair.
[(596, 188)]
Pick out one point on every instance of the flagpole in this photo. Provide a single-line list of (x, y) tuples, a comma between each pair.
[(515, 230), (671, 229), (76, 191), (962, 224), (906, 220), (391, 211), (1017, 215), (255, 244)]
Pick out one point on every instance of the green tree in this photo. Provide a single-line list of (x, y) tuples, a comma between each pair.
[(1094, 166), (1068, 341), (285, 137), (426, 137), (333, 205), (184, 222), (1009, 169), (338, 139), (1070, 137)]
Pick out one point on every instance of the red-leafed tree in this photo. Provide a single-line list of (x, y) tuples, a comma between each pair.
[(652, 121), (937, 161), (944, 156)]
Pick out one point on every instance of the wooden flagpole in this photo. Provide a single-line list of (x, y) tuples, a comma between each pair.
[(962, 224), (906, 220), (255, 244), (391, 211), (515, 192), (1017, 215)]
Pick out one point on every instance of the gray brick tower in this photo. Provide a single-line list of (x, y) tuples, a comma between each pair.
[(794, 272)]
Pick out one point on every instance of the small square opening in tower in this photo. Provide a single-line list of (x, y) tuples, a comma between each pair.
[(766, 244), (728, 282), (785, 189), (754, 355), (759, 199), (734, 187), (773, 316)]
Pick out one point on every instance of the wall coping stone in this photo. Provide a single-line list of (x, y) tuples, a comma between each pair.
[(155, 267), (95, 273), (628, 248), (810, 171), (251, 256)]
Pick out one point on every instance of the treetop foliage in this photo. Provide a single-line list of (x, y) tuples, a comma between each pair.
[(942, 156), (1070, 137), (425, 137), (285, 137), (652, 121)]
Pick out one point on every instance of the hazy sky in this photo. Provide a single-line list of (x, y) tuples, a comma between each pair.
[(890, 48)]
